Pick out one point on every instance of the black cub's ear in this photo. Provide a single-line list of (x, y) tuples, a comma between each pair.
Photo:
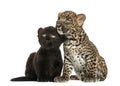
[(39, 30)]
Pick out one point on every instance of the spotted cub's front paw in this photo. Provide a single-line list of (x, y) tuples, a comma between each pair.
[(60, 79), (74, 77)]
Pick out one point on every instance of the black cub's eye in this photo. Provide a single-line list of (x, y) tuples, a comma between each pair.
[(52, 36), (43, 35)]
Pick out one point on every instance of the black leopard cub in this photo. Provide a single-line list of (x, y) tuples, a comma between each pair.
[(46, 63)]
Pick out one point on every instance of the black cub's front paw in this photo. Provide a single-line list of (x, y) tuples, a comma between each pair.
[(42, 80)]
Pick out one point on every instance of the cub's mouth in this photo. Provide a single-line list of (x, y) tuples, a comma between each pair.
[(65, 31), (59, 30), (62, 30)]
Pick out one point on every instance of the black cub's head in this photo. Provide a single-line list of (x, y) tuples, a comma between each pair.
[(49, 38)]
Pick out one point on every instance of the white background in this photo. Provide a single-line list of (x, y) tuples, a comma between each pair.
[(20, 20)]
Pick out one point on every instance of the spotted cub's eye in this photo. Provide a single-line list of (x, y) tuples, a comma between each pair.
[(44, 35), (52, 36), (68, 20)]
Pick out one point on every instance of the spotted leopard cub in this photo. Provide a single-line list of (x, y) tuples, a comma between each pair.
[(79, 52)]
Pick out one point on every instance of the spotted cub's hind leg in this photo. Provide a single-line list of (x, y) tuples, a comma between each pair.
[(102, 69), (90, 69)]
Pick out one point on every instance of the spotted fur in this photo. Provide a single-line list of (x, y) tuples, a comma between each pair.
[(80, 53)]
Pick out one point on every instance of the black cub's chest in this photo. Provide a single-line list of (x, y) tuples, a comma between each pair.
[(47, 56)]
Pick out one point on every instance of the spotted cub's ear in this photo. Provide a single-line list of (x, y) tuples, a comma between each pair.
[(80, 19), (39, 30)]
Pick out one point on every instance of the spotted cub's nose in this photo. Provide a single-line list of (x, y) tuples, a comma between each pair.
[(64, 30)]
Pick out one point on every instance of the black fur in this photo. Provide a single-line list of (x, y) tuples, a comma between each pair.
[(46, 63)]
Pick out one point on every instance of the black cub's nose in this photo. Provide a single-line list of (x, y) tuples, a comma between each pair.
[(47, 38)]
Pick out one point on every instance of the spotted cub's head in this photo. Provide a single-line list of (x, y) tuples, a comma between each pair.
[(68, 23)]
